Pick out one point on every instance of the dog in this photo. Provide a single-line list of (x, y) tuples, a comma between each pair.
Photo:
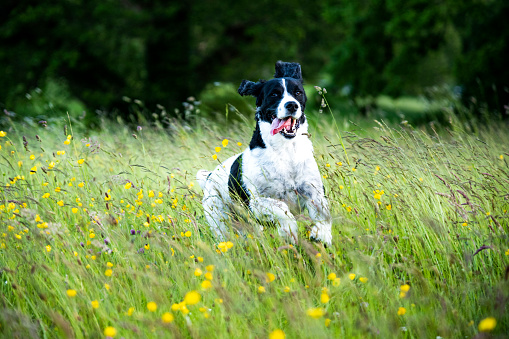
[(277, 175)]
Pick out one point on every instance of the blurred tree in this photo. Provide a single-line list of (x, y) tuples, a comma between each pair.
[(157, 51), (482, 67), (383, 43), (241, 39)]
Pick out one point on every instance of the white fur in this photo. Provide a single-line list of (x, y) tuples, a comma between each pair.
[(281, 110)]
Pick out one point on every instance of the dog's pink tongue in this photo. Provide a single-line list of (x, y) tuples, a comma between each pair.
[(278, 125)]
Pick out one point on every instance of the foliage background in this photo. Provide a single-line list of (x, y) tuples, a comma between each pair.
[(96, 53)]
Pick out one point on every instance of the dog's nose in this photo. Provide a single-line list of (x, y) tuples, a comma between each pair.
[(291, 106)]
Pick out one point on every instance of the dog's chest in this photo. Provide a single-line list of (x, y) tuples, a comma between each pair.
[(279, 173)]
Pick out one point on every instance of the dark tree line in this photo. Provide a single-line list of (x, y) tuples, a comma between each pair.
[(164, 51)]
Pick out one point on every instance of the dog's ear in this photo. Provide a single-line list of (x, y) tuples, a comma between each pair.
[(288, 70), (252, 88), (249, 88)]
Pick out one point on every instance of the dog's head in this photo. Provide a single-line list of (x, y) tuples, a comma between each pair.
[(280, 102)]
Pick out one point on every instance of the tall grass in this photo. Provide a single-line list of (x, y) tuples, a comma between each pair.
[(94, 238)]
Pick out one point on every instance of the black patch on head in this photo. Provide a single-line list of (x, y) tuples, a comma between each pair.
[(238, 191), (288, 70)]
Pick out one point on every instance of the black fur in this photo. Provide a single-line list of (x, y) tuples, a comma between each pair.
[(288, 70), (235, 183), (257, 140)]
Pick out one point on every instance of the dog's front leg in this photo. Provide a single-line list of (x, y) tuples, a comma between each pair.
[(318, 208), (277, 212)]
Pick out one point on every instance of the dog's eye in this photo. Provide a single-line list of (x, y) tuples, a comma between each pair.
[(298, 93), (274, 95)]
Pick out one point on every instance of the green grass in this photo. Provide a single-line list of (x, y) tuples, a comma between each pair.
[(414, 212)]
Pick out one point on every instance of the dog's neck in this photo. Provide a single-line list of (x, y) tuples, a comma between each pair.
[(257, 140)]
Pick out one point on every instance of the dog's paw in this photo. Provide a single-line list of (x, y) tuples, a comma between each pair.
[(322, 232), (288, 230)]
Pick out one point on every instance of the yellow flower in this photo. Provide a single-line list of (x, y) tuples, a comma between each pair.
[(324, 298), (33, 170), (192, 298), (210, 268), (208, 276), (336, 282), (109, 264), (331, 276), (351, 276), (95, 304), (32, 157), (45, 195), (287, 289), (92, 235), (152, 306), (421, 179), (167, 317), (487, 324), (277, 334), (198, 272), (401, 311), (130, 311), (327, 322), (67, 142), (389, 207), (239, 143), (363, 280), (187, 234), (218, 149), (339, 163), (60, 203), (71, 293), (405, 288), (74, 210), (270, 277), (261, 289), (214, 156), (81, 161), (225, 142), (108, 272), (48, 248), (81, 184), (315, 312), (110, 331), (501, 157), (206, 284), (2, 134)]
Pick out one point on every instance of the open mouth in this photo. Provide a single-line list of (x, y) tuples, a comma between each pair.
[(287, 127)]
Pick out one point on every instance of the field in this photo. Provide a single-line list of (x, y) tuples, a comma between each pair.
[(102, 234)]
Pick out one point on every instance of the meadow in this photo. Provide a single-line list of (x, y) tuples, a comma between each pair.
[(102, 234)]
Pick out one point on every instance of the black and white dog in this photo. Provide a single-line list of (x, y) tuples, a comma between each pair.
[(277, 175)]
